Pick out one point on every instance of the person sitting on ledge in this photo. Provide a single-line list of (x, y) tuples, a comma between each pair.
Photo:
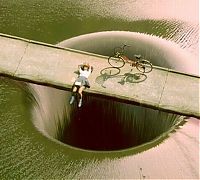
[(81, 82)]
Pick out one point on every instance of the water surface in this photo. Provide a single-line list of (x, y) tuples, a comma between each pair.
[(55, 21)]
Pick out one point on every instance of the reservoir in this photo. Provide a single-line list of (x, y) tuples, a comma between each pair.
[(43, 137)]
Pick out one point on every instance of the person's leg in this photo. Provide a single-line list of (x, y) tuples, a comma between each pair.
[(74, 89), (80, 95), (80, 91)]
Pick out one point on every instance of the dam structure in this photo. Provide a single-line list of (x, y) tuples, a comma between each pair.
[(35, 62)]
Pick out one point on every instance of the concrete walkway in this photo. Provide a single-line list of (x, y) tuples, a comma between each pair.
[(54, 66)]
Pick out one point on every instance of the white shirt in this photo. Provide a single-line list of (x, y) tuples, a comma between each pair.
[(85, 73)]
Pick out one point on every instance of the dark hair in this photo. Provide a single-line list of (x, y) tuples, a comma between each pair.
[(82, 67)]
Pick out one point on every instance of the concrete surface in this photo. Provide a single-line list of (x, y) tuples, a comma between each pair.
[(54, 66)]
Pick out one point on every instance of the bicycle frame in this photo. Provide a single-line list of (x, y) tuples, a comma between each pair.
[(125, 58), (119, 60), (130, 61)]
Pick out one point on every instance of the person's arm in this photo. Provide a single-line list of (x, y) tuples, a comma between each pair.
[(91, 68), (80, 68)]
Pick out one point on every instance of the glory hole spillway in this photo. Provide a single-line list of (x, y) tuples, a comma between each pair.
[(43, 137), (104, 124)]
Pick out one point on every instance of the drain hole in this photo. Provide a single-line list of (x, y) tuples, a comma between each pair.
[(107, 125)]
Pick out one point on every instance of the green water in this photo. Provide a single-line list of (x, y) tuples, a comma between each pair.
[(27, 154), (54, 21)]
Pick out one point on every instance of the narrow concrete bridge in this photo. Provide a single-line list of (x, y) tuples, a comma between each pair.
[(49, 65)]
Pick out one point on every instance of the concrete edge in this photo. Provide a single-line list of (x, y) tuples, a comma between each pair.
[(95, 93), (52, 46), (175, 71), (87, 53)]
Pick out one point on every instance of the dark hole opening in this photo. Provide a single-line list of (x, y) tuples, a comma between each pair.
[(106, 125)]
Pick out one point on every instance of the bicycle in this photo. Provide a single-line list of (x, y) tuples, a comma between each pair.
[(119, 60)]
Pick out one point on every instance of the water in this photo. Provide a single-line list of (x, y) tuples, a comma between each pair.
[(55, 21)]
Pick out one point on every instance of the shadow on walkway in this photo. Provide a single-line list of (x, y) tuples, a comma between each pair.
[(112, 72)]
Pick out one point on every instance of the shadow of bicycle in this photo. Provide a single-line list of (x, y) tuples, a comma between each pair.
[(113, 72)]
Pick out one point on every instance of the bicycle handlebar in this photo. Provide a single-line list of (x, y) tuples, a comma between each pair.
[(126, 45)]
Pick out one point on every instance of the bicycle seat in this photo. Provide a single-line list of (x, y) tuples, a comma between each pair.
[(137, 56), (127, 45)]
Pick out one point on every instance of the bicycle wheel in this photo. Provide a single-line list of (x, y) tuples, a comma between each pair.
[(110, 71), (144, 66), (117, 62)]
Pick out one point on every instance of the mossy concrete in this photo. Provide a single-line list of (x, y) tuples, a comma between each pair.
[(55, 66)]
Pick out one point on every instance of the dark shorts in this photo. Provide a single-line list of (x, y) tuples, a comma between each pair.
[(82, 81)]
